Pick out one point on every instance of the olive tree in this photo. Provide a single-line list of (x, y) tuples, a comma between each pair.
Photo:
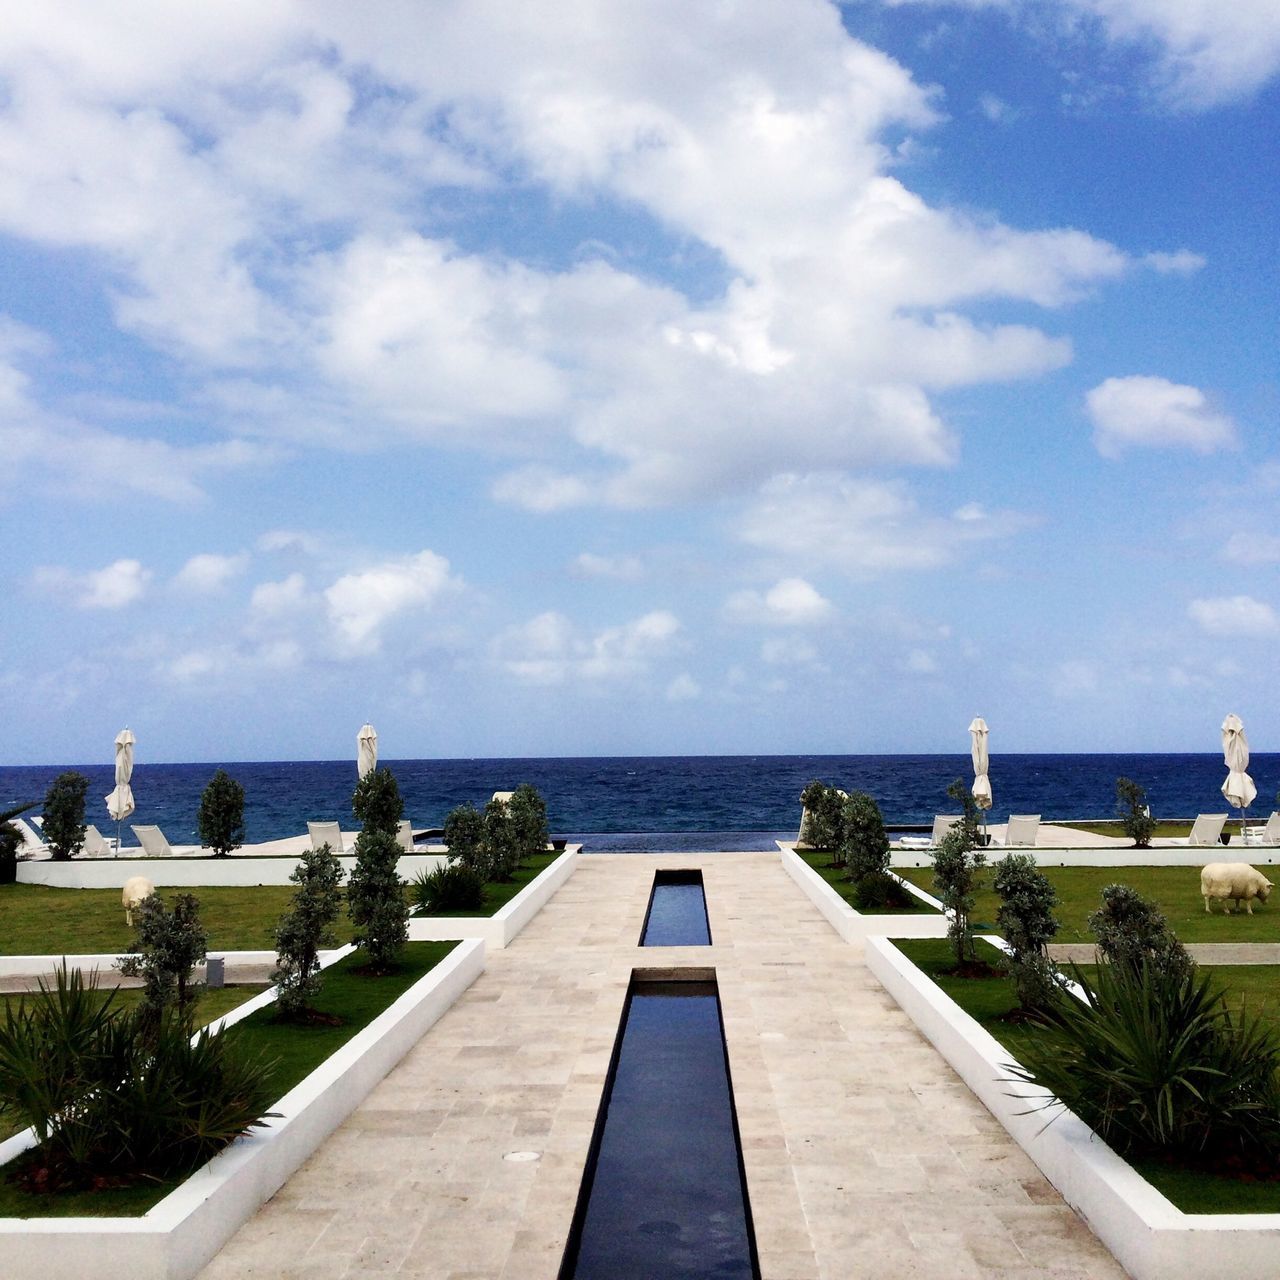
[(377, 803), (1135, 818), (1025, 916), (957, 872), (306, 927), (528, 813), (221, 817), (171, 942), (64, 814)]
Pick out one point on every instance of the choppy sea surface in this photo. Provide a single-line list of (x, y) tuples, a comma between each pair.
[(633, 804)]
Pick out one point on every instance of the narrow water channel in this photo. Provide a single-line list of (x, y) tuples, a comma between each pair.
[(677, 915), (664, 1195)]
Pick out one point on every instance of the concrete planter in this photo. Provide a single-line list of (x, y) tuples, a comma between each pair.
[(854, 926), (500, 929), (1151, 1238), (177, 1237)]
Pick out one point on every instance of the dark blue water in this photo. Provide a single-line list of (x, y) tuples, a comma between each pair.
[(677, 915), (665, 1199), (606, 800)]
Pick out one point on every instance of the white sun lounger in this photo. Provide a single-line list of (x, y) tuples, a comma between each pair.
[(31, 840), (942, 823), (404, 836), (95, 846), (1022, 830), (1205, 831), (153, 842), (323, 833), (1269, 834)]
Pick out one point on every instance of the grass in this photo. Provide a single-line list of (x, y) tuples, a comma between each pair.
[(1163, 829), (834, 876), (1175, 889), (498, 894), (355, 998), (987, 1000)]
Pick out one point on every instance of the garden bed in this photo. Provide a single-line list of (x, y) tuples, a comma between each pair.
[(1152, 1238)]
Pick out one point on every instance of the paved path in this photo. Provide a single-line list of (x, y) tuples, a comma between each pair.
[(865, 1155)]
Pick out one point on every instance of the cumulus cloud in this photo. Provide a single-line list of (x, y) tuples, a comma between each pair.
[(282, 599), (360, 604), (549, 649), (1148, 412), (118, 584), (1234, 616), (791, 602), (209, 572)]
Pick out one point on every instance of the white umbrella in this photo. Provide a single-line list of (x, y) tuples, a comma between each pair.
[(120, 801), (366, 750), (981, 783), (1238, 788)]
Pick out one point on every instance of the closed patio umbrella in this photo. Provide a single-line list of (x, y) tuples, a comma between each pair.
[(366, 750), (1238, 788), (120, 801), (981, 762)]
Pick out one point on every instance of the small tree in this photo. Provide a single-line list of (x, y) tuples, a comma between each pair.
[(957, 864), (171, 942), (1132, 931), (463, 836), (306, 927), (1025, 916), (529, 818), (221, 817), (500, 847), (11, 842), (375, 899), (820, 828), (377, 803), (1135, 820), (64, 814)]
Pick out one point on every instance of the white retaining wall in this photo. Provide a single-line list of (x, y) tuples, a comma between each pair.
[(1045, 856), (177, 1237), (1151, 1238), (854, 926), (500, 929)]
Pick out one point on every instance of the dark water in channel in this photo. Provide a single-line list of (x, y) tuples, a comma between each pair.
[(677, 915), (661, 802)]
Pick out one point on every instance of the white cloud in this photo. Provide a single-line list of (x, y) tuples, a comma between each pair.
[(620, 568), (684, 688), (1147, 412), (548, 649), (788, 651), (361, 604), (1234, 616), (118, 584), (282, 599), (920, 662), (1252, 548), (209, 572), (791, 602), (289, 540), (1182, 262)]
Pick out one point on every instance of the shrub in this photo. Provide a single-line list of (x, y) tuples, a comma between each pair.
[(306, 927), (375, 899), (221, 817), (957, 866), (1154, 1061), (1025, 916), (453, 887), (863, 841), (464, 835), (110, 1102), (64, 814), (1131, 803), (11, 842), (821, 827), (500, 851), (376, 802), (171, 942), (528, 813), (1132, 932)]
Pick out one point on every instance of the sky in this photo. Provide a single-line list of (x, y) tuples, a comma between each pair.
[(602, 378)]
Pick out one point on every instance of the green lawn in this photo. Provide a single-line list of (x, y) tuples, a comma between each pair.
[(497, 895), (1163, 831), (1175, 889), (355, 998), (988, 999), (834, 876)]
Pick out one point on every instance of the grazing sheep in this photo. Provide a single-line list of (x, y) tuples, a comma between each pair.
[(136, 889), (1235, 880)]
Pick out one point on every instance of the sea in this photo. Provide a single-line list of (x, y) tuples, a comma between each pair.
[(637, 804)]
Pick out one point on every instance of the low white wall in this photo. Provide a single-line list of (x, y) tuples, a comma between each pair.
[(500, 929), (1110, 857), (1151, 1238), (42, 965), (854, 926), (187, 1228), (111, 873)]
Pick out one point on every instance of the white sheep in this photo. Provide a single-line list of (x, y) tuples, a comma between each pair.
[(1235, 880), (136, 890)]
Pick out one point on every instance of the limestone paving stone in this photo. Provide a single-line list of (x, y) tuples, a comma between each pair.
[(864, 1153)]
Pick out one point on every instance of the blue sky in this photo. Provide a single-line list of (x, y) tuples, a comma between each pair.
[(601, 378)]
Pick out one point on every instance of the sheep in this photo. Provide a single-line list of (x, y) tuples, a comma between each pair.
[(1235, 880), (136, 890)]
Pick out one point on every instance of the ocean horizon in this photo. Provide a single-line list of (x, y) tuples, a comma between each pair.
[(637, 803)]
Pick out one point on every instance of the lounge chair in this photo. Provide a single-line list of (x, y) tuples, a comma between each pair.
[(404, 836), (941, 825), (32, 840), (1022, 830), (1206, 830), (153, 843), (323, 833), (1270, 834), (95, 846)]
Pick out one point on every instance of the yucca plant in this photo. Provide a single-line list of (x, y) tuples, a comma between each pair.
[(1153, 1060), (452, 887)]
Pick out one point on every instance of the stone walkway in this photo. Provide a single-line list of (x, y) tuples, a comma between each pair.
[(865, 1155)]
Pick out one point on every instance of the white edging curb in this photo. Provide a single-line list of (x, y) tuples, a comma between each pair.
[(183, 1232), (1151, 1238), (500, 929), (1094, 856), (852, 925)]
